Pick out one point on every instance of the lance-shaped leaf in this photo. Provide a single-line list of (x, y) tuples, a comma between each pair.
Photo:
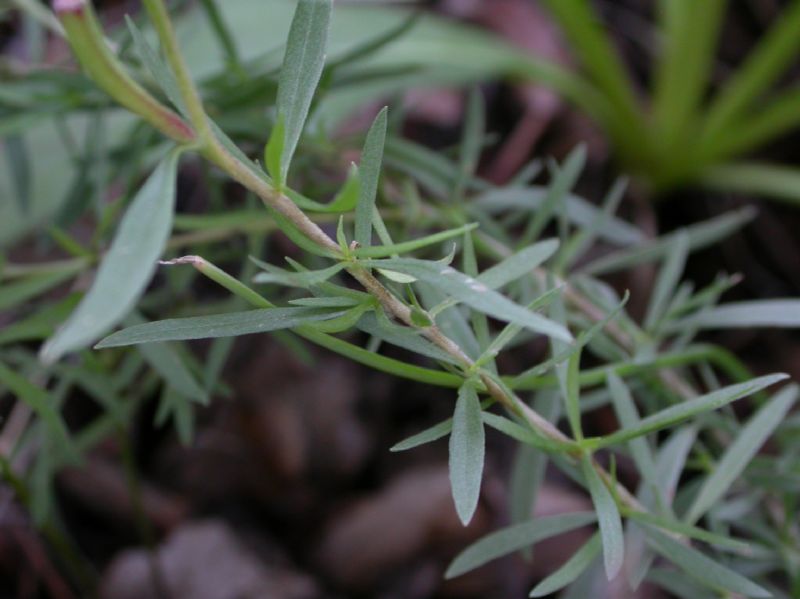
[(745, 446), (513, 538), (572, 568), (608, 518), (302, 68), (783, 313), (370, 171), (467, 448), (218, 325), (683, 411), (518, 265), (701, 567), (473, 293), (127, 267)]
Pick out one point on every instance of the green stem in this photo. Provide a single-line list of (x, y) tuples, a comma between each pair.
[(87, 42), (334, 344), (169, 43)]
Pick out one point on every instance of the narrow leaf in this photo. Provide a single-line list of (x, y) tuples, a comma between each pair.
[(302, 68), (165, 360), (218, 325), (513, 538), (700, 235), (783, 313), (608, 518), (683, 411), (382, 251), (370, 170), (437, 431), (467, 448), (304, 279), (273, 152), (572, 397), (701, 567), (668, 279), (520, 264), (127, 267), (745, 446), (569, 572), (474, 294), (693, 532)]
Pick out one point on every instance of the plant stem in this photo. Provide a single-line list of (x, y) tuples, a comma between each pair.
[(213, 150), (166, 33)]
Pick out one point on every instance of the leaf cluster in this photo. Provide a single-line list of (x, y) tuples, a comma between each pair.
[(480, 271)]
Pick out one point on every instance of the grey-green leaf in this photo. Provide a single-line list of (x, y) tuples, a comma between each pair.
[(433, 433), (218, 325), (513, 538), (682, 411), (273, 152), (475, 294), (166, 360), (467, 448), (741, 451), (628, 416), (302, 68), (572, 568), (784, 313), (701, 567), (519, 264), (608, 518), (370, 171), (127, 267)]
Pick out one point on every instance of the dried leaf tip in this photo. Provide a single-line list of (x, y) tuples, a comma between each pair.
[(193, 260), (65, 6)]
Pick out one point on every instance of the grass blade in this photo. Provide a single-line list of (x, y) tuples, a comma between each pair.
[(467, 448), (690, 31), (755, 178), (127, 267), (773, 55)]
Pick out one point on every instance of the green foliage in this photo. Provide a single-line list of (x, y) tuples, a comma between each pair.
[(127, 268), (683, 132), (537, 282)]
